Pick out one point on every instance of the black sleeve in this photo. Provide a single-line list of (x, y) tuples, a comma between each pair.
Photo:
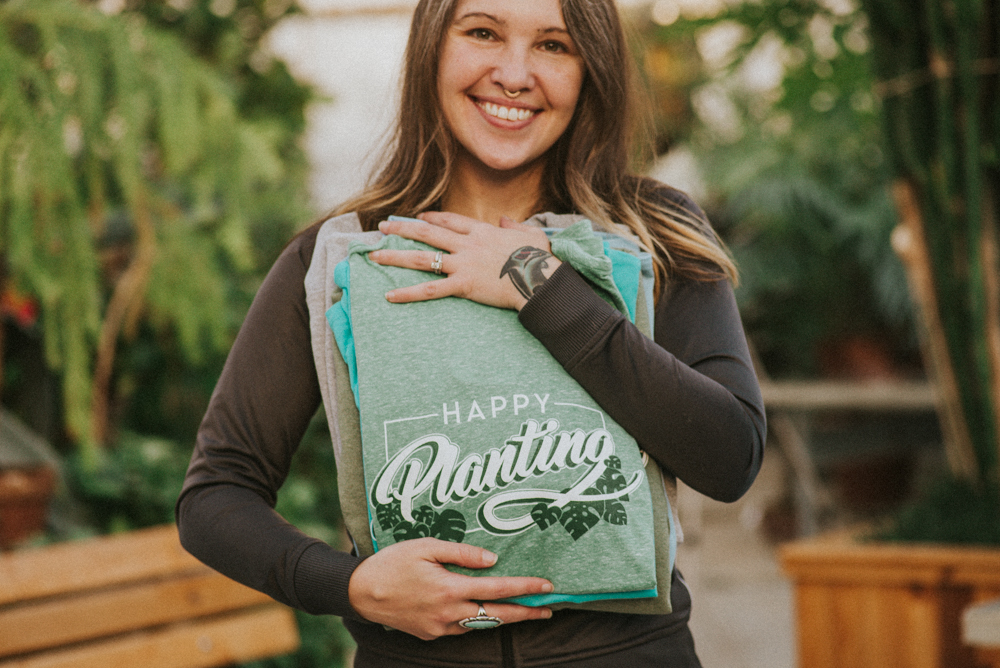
[(261, 407), (690, 398)]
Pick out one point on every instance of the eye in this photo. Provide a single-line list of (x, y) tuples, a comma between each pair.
[(480, 33), (553, 46)]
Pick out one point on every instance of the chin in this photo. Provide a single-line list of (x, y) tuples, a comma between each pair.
[(512, 163)]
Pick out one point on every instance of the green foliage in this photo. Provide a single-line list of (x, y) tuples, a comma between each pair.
[(937, 63), (952, 511), (815, 269), (131, 486), (227, 35), (114, 136), (789, 142), (800, 185)]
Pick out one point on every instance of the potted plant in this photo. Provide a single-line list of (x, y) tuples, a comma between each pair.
[(28, 475)]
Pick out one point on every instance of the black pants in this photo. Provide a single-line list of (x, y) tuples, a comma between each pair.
[(673, 651)]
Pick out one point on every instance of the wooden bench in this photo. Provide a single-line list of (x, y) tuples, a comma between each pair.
[(136, 599)]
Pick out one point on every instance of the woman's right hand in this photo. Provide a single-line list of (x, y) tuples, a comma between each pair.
[(405, 586)]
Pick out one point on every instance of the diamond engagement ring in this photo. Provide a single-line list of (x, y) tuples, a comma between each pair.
[(436, 264), (481, 621)]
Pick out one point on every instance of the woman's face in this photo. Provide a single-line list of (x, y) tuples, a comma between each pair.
[(518, 45)]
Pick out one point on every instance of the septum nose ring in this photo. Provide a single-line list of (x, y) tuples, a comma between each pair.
[(510, 94)]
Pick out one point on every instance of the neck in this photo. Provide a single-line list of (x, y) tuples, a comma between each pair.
[(486, 194)]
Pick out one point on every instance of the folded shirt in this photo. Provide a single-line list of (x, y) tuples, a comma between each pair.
[(472, 432)]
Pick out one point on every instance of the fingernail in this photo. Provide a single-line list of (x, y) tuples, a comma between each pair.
[(489, 558), (547, 588), (546, 614), (390, 296), (373, 256), (384, 224)]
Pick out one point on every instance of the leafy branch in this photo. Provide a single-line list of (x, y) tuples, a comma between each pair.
[(112, 130)]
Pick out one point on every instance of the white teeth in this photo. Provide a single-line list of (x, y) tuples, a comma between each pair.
[(506, 113)]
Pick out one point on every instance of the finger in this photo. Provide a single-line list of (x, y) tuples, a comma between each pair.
[(421, 260), (506, 613), (459, 554), (421, 292), (452, 221), (432, 235), (491, 588), (541, 240), (510, 612)]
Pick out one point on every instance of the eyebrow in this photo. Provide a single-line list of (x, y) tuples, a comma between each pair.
[(494, 19)]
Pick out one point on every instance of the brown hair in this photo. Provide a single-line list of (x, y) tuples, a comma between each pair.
[(588, 167)]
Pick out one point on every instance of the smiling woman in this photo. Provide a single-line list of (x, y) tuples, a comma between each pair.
[(496, 50), (515, 116)]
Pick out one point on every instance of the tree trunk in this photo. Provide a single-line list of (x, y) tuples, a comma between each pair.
[(126, 300)]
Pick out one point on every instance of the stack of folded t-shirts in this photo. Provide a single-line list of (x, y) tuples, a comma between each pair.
[(472, 432)]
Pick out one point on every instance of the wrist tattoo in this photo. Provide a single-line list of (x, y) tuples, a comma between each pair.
[(525, 267)]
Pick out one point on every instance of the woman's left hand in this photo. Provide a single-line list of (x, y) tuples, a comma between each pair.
[(498, 266)]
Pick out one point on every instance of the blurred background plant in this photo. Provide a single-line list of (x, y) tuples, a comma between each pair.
[(779, 115), (149, 172), (813, 123), (938, 69)]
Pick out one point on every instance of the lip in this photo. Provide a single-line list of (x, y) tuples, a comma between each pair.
[(502, 102)]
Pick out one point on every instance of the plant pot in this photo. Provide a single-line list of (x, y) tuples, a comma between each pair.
[(865, 604), (24, 502)]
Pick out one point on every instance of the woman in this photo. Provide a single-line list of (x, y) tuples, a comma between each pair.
[(509, 108)]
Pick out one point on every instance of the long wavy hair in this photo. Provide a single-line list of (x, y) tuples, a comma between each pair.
[(587, 169)]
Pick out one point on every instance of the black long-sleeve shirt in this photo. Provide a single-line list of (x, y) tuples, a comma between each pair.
[(690, 398)]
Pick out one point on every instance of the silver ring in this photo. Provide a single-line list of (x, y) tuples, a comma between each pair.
[(436, 264), (510, 94), (480, 621)]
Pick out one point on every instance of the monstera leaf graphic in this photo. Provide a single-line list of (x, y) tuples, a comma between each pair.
[(409, 530), (614, 513), (611, 481), (388, 515), (578, 519), (449, 525), (545, 515), (597, 506), (613, 462), (425, 515)]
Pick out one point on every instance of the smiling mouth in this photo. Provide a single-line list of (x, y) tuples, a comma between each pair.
[(505, 113)]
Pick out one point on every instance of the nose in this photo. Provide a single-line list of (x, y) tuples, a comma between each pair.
[(513, 71)]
